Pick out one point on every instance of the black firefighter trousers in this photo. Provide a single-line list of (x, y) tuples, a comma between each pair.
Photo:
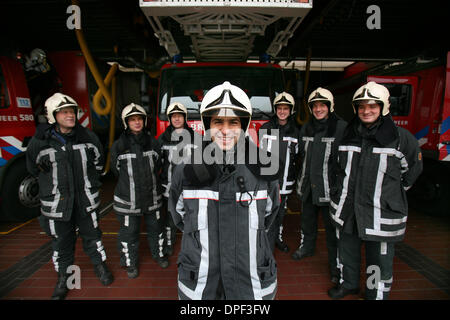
[(308, 231), (276, 228), (129, 234), (169, 225), (379, 262), (64, 238)]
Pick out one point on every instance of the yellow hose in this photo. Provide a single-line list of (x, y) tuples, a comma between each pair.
[(96, 102), (112, 125), (103, 91)]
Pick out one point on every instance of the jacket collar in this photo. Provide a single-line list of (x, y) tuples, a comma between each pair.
[(385, 133)]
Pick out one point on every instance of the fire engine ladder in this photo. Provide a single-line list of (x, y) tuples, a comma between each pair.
[(224, 30)]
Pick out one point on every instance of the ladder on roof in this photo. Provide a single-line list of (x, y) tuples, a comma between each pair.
[(224, 30)]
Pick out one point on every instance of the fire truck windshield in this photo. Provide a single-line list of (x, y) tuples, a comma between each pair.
[(188, 85)]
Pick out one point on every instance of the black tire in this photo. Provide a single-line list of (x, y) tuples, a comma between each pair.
[(431, 192), (12, 208)]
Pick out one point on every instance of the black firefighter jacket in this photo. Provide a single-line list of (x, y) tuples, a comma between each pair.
[(318, 153), (376, 167), (135, 160), (173, 151), (224, 222), (68, 168), (288, 141)]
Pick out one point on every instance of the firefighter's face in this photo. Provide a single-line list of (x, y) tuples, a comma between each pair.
[(177, 120), (320, 110), (368, 113), (283, 111), (66, 119), (225, 131), (135, 123)]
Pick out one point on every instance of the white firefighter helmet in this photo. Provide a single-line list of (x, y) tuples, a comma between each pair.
[(372, 92), (323, 95), (176, 107), (226, 100), (57, 102), (131, 110), (284, 98)]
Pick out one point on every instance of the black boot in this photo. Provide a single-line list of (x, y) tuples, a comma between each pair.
[(301, 253), (102, 272), (339, 292), (132, 272), (281, 245), (163, 262), (61, 289)]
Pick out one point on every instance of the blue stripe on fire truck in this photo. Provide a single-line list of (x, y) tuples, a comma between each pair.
[(445, 125), (12, 150), (422, 133)]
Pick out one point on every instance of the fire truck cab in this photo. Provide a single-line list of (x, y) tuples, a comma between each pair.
[(187, 83), (19, 191)]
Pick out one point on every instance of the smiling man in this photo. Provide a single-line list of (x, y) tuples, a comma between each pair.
[(225, 131), (377, 163), (224, 210)]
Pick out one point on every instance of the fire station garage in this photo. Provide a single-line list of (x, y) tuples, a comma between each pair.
[(154, 53)]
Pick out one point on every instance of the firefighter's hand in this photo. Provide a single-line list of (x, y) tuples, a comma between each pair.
[(44, 165)]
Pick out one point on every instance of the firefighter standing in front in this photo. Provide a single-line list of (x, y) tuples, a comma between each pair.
[(225, 207), (68, 160), (378, 162)]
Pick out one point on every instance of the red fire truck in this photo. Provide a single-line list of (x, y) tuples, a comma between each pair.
[(19, 113), (187, 83), (420, 102)]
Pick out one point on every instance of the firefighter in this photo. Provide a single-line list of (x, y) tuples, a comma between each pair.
[(283, 128), (318, 149), (378, 162), (68, 160), (178, 135), (136, 161), (224, 205)]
